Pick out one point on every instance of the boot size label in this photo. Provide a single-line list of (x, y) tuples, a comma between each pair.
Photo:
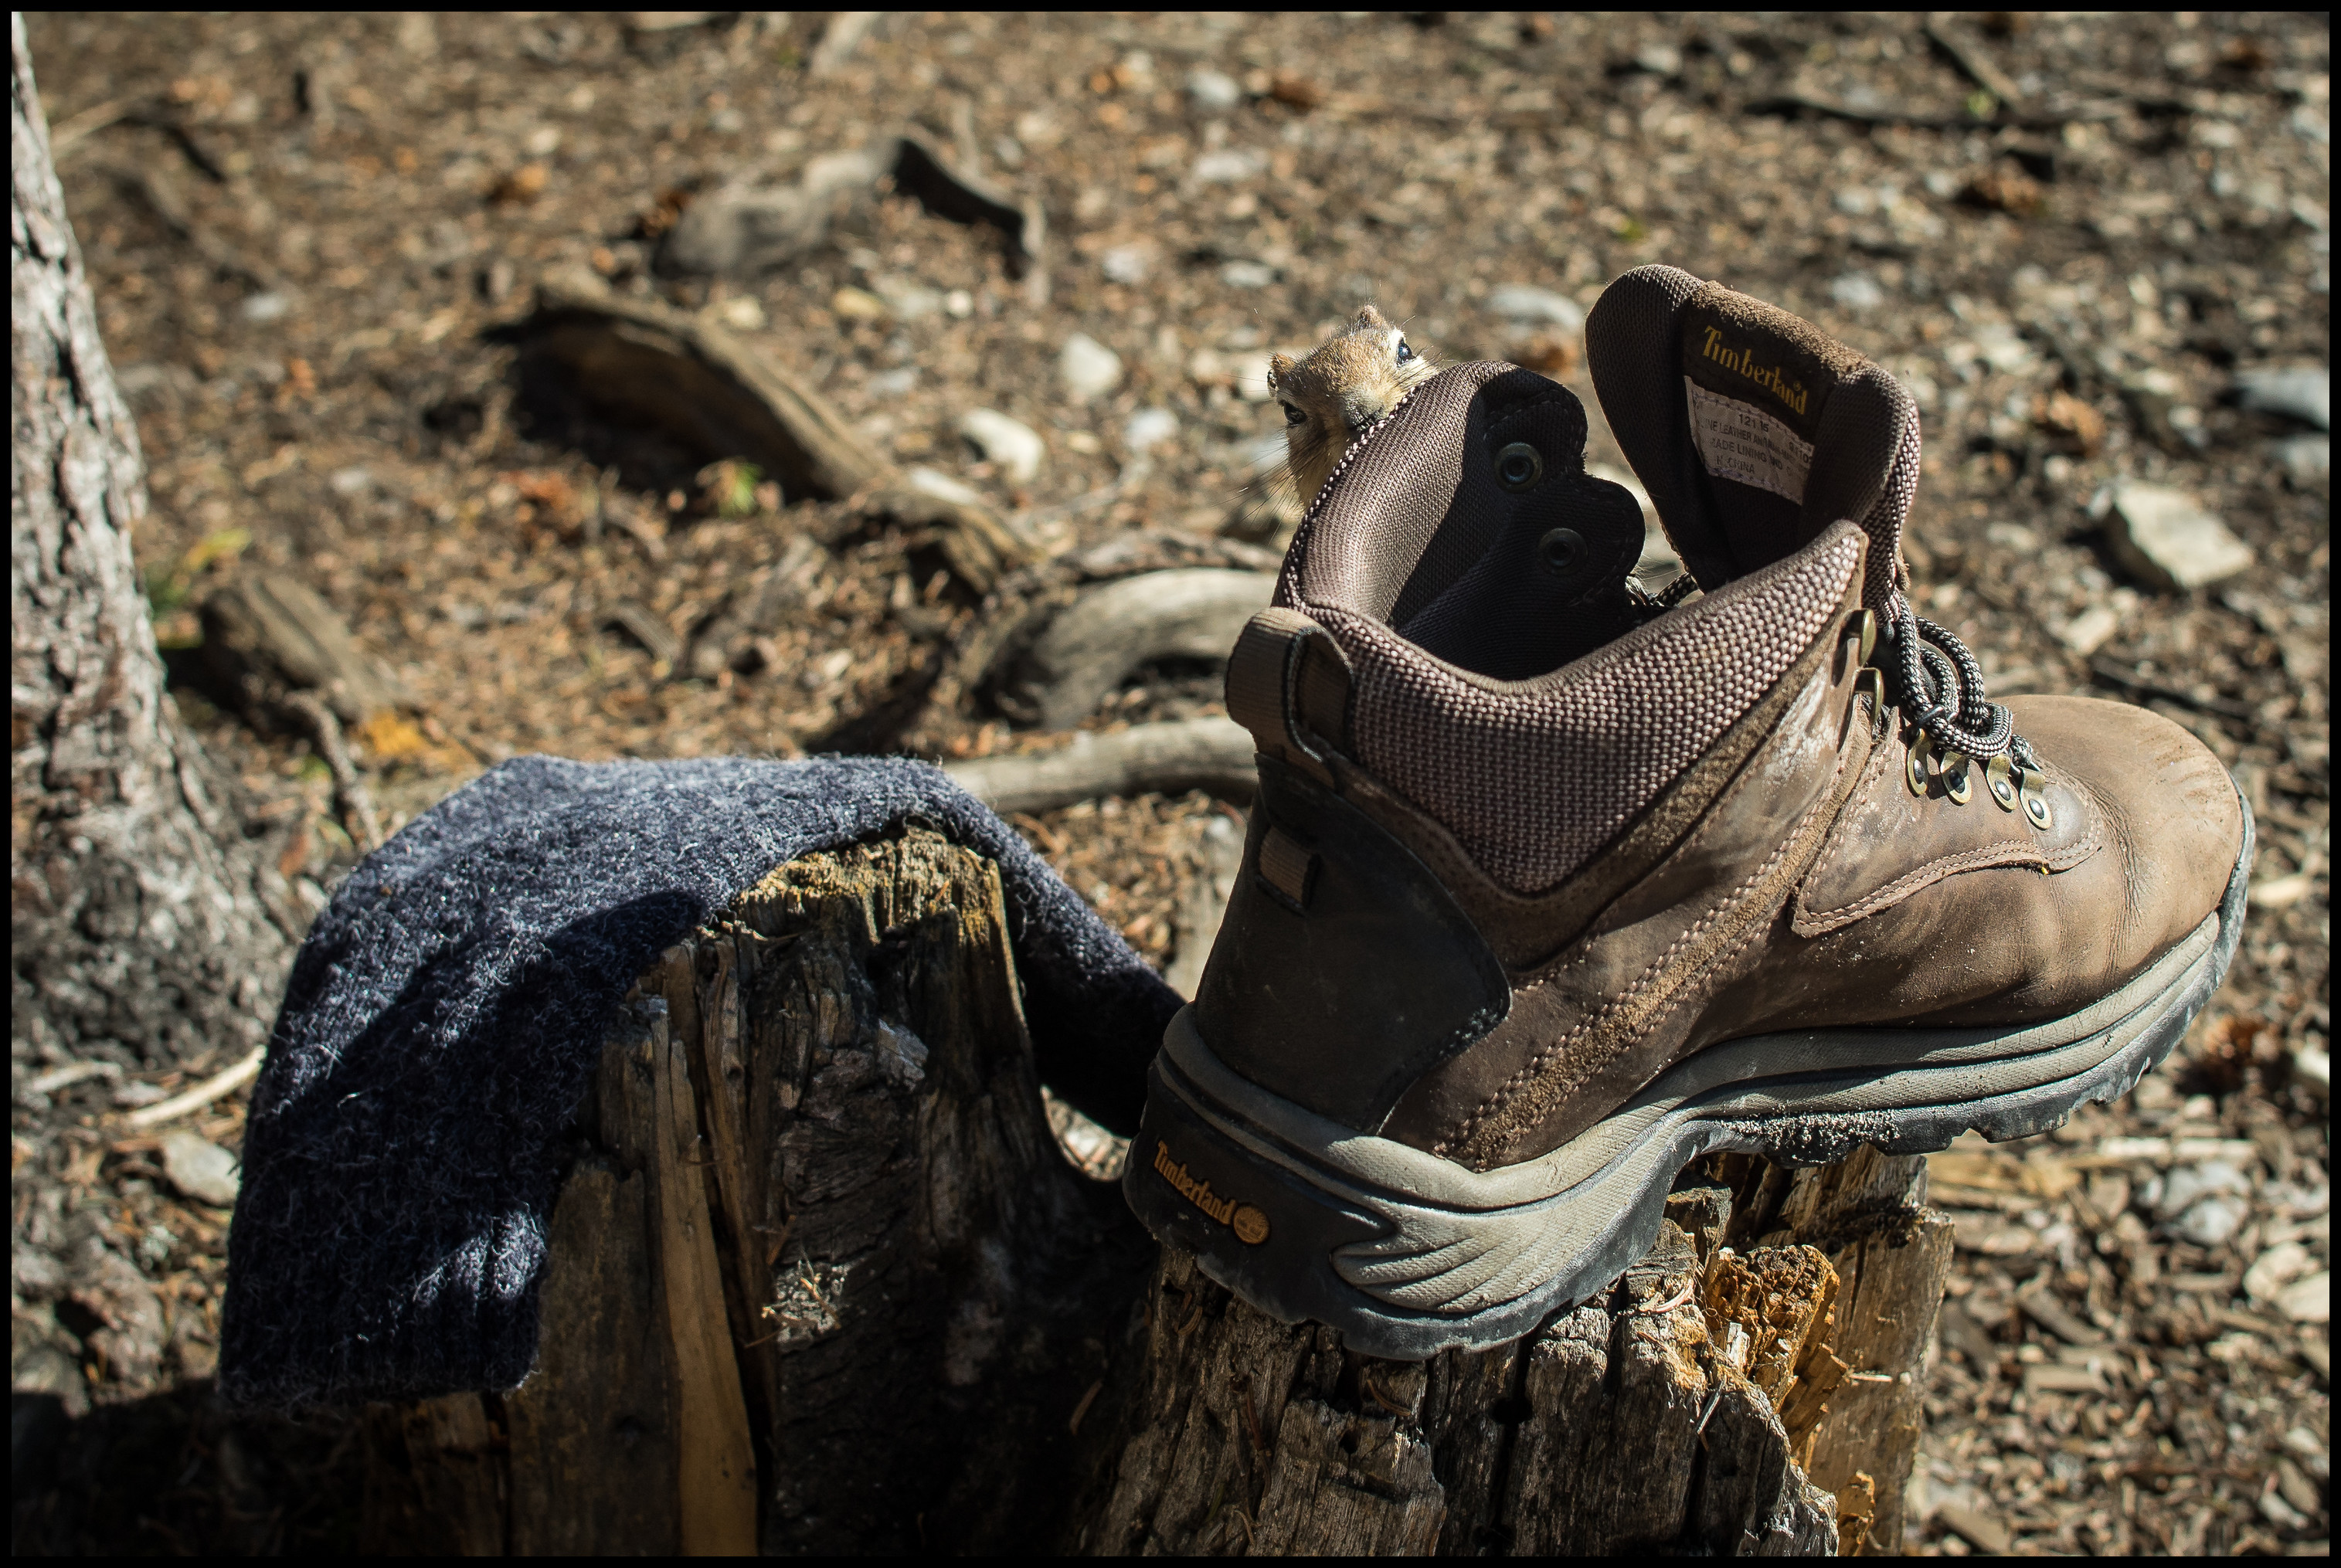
[(1740, 441)]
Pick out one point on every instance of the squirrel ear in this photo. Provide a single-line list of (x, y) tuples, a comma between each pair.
[(1369, 320), (1278, 367)]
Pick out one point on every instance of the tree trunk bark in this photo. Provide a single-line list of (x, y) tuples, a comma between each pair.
[(139, 932), (821, 1280)]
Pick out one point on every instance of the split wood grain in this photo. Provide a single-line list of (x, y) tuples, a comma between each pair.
[(821, 1280)]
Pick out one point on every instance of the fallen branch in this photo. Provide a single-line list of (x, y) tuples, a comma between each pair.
[(2052, 117), (710, 391), (1111, 629), (203, 1094), (1212, 754), (150, 187), (351, 802), (1971, 60), (839, 39)]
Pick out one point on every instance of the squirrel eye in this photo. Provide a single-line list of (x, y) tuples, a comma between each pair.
[(1294, 415), (1405, 351)]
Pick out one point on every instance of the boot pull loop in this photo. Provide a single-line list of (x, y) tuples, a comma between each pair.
[(1288, 684)]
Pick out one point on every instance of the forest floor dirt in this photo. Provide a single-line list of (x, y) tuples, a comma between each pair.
[(310, 238)]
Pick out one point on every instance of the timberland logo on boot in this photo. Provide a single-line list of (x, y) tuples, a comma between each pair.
[(1742, 363), (1249, 1225)]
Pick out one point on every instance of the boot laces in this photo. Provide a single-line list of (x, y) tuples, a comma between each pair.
[(1942, 692)]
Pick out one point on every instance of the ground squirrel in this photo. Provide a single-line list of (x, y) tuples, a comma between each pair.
[(1335, 395)]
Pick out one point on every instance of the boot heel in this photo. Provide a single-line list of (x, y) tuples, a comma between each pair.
[(1254, 1227)]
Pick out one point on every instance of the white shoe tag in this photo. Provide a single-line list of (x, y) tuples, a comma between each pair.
[(1740, 441)]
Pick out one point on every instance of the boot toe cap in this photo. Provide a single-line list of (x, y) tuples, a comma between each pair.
[(2174, 823)]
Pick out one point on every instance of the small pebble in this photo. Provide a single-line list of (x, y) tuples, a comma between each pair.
[(1246, 274), (200, 1169), (906, 301), (1125, 264), (2308, 1300), (1213, 92), (2215, 1219), (1659, 59), (2305, 395), (1526, 302), (2305, 459), (263, 308), (1147, 429), (741, 312), (2274, 1269), (2164, 537), (1227, 167), (1014, 447), (942, 487), (1856, 292), (1087, 368), (2188, 1183), (2091, 630)]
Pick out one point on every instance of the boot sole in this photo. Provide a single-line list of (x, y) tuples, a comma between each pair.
[(1409, 1255)]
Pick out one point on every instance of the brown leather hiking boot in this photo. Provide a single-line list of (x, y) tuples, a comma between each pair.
[(1553, 884)]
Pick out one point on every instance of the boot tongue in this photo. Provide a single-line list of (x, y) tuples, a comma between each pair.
[(1751, 431)]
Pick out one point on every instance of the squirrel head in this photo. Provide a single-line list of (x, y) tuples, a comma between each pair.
[(1339, 392)]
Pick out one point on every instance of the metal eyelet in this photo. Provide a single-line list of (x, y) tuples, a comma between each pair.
[(1959, 783), (1872, 680), (1561, 548), (1518, 466), (1999, 783), (1863, 628), (1914, 766), (2036, 806)]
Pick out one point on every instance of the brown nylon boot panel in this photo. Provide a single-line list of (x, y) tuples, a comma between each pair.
[(1525, 930), (1648, 955), (1532, 778)]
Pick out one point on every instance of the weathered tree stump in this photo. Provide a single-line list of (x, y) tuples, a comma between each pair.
[(821, 1279)]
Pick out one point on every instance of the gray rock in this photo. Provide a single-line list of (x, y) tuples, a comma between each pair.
[(944, 487), (1088, 368), (1147, 429), (2305, 395), (1213, 92), (2185, 1186), (907, 301), (200, 1169), (1227, 167), (1014, 447), (1659, 59), (2305, 459), (1526, 302), (269, 307), (2167, 538), (1126, 264), (1856, 292), (2308, 1300), (2212, 1221), (1247, 274)]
